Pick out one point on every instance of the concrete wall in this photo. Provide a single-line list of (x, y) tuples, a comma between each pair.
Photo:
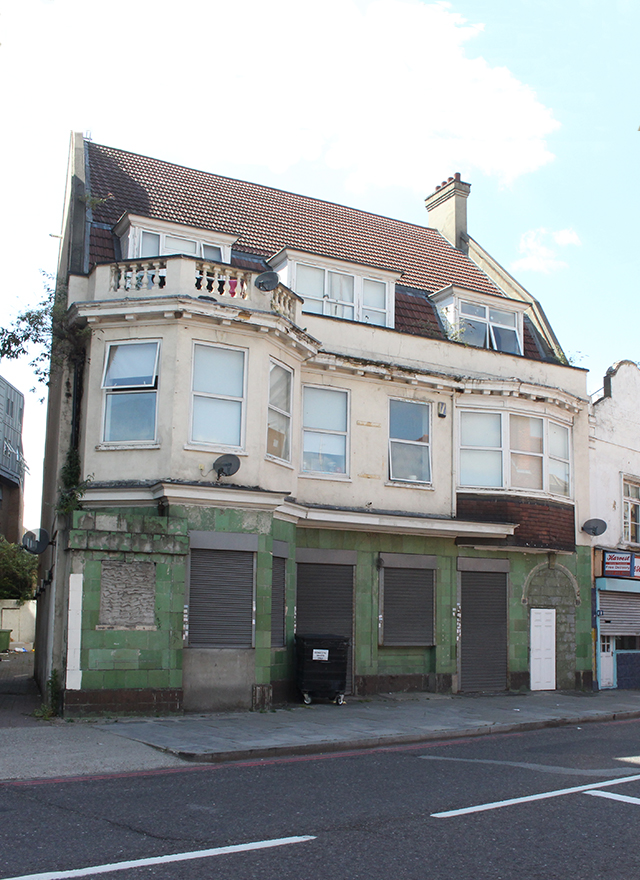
[(21, 619)]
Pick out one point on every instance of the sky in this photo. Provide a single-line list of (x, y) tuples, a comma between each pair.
[(369, 103)]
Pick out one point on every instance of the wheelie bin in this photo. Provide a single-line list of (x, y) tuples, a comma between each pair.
[(321, 666)]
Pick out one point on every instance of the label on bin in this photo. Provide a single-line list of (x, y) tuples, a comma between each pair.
[(320, 654)]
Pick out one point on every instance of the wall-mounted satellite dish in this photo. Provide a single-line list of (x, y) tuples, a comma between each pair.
[(595, 527), (267, 281), (226, 465), (36, 542)]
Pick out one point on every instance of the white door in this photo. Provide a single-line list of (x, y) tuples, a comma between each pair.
[(606, 662), (543, 649)]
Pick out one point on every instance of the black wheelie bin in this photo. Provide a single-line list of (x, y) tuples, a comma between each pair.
[(321, 666)]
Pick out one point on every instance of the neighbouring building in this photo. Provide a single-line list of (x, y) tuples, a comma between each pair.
[(412, 449), (11, 462), (615, 507)]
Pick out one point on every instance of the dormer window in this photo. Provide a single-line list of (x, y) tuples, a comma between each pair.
[(155, 244), (482, 320), (485, 327), (142, 237), (338, 289)]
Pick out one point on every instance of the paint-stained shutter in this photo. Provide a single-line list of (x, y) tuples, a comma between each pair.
[(619, 614), (278, 572), (324, 603), (483, 643), (221, 599), (408, 606)]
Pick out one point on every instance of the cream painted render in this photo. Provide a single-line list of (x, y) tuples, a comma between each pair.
[(615, 451)]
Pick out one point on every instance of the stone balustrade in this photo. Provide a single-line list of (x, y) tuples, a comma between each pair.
[(181, 276), (171, 275)]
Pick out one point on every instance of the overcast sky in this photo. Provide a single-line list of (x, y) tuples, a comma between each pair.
[(369, 103)]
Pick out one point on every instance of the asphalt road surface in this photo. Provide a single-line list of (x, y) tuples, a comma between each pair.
[(559, 803)]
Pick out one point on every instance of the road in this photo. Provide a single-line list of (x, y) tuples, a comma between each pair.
[(556, 803)]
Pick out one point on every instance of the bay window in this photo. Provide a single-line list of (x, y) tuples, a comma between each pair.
[(279, 412), (509, 451), (218, 395), (409, 450), (325, 431), (631, 493), (130, 382)]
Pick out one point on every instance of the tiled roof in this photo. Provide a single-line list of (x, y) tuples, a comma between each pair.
[(267, 220)]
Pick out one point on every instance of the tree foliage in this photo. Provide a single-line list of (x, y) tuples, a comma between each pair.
[(43, 333), (31, 334), (17, 571)]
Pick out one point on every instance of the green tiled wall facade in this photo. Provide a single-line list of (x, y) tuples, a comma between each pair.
[(153, 659)]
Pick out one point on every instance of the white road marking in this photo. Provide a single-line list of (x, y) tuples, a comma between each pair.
[(614, 797), (496, 805), (540, 768), (160, 860)]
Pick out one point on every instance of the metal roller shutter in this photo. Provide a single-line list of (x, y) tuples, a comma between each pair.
[(278, 602), (221, 599), (619, 614), (483, 641), (324, 603), (408, 606)]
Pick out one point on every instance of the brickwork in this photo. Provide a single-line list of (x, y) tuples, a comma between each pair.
[(547, 524)]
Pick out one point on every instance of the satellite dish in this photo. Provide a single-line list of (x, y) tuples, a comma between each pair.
[(267, 281), (36, 542), (594, 527), (226, 465)]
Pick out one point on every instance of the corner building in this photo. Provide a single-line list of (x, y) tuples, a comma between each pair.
[(412, 450)]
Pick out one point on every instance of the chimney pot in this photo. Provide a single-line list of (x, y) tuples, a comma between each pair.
[(456, 176)]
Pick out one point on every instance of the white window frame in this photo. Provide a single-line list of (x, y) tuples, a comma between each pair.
[(422, 444), (347, 434), (287, 415), (200, 244), (449, 302), (630, 504), (358, 295), (506, 452), (212, 444), (112, 390)]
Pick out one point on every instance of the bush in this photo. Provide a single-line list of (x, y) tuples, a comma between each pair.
[(17, 571)]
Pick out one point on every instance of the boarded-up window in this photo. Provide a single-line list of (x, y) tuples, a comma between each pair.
[(127, 595), (221, 599), (407, 606)]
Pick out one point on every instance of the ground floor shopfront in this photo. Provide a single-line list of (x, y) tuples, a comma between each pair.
[(197, 608), (618, 631)]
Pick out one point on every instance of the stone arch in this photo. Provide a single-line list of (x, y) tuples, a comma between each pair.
[(549, 580)]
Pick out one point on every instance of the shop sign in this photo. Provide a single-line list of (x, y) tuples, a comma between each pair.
[(621, 564)]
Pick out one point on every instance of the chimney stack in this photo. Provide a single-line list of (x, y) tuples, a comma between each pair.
[(447, 208)]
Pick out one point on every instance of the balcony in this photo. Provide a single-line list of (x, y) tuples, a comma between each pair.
[(181, 276)]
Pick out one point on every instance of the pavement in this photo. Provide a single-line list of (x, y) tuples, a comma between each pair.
[(39, 748)]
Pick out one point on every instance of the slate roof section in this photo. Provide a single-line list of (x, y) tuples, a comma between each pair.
[(267, 220)]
